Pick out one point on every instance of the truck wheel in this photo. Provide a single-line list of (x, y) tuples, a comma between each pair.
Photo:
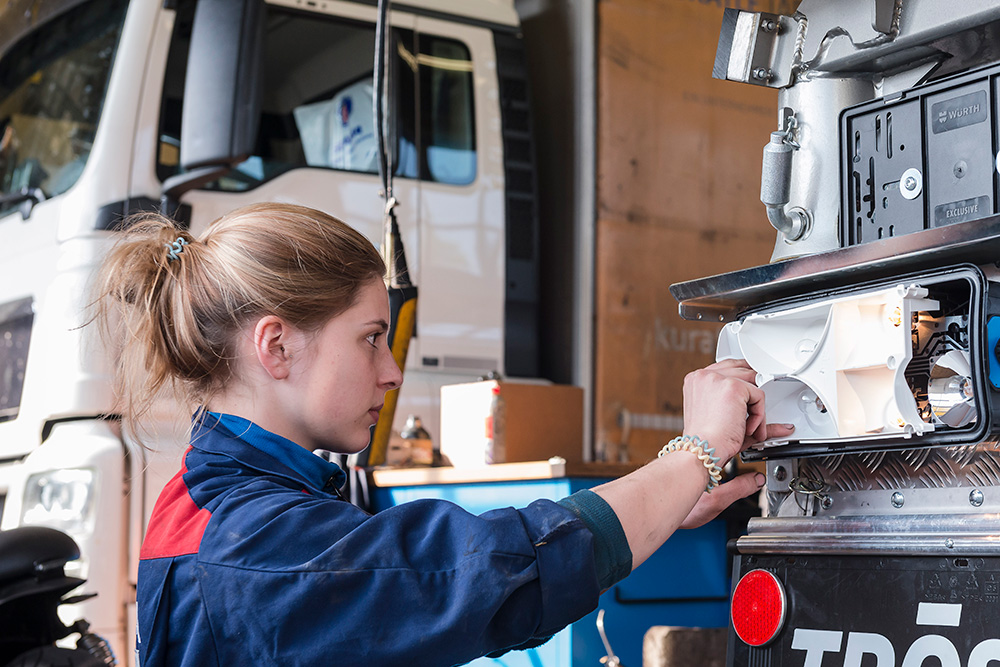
[(53, 656)]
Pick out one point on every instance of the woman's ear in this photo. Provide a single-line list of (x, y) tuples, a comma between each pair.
[(271, 336)]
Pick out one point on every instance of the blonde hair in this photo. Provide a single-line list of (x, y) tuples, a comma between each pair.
[(178, 319)]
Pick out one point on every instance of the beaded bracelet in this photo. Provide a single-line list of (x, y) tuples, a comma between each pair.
[(699, 448)]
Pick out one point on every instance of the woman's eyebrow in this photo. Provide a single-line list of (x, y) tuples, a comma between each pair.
[(379, 322)]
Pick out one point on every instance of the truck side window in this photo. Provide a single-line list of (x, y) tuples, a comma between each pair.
[(52, 86), (448, 127), (317, 102)]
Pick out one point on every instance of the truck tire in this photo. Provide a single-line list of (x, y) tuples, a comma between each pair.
[(53, 656)]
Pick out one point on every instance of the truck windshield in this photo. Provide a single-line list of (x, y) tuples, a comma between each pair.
[(52, 86)]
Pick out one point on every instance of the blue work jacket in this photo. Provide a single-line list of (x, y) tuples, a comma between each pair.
[(252, 558)]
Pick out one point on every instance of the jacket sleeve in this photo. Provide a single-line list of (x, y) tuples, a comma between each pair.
[(424, 583)]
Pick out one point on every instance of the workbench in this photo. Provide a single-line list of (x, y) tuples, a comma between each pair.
[(685, 583)]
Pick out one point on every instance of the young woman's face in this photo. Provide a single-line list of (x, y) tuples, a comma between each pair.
[(343, 373)]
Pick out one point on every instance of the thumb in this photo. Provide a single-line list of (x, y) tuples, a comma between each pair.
[(711, 504), (738, 487)]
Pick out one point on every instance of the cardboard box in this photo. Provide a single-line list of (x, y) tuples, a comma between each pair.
[(539, 422)]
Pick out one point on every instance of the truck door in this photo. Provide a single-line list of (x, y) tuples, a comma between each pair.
[(462, 199)]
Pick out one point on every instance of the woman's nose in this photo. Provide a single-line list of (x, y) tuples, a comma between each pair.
[(392, 376)]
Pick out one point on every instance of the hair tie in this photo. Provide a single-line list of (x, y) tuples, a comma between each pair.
[(175, 249)]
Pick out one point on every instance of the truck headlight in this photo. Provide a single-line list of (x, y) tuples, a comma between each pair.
[(902, 364), (61, 499)]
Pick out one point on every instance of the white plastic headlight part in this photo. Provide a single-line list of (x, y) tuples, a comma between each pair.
[(836, 369)]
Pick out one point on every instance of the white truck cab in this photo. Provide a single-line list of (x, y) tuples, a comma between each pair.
[(108, 107)]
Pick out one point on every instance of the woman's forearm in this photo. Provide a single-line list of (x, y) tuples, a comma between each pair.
[(652, 502)]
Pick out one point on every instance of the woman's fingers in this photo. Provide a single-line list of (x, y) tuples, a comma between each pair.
[(737, 368), (724, 405), (779, 430), (711, 504)]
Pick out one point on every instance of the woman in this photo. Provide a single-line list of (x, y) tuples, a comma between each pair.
[(273, 327)]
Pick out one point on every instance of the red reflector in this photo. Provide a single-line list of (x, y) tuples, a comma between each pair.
[(758, 607)]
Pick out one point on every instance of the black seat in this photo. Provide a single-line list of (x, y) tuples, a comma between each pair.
[(34, 552)]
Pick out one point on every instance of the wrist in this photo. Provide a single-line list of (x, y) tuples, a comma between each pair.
[(702, 451), (721, 444)]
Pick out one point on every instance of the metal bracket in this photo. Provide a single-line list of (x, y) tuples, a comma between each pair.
[(882, 15), (749, 46)]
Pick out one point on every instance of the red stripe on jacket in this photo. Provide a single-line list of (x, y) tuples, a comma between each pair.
[(177, 524)]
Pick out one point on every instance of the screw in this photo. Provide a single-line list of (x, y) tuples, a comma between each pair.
[(762, 74), (897, 499), (826, 502), (976, 498), (910, 183), (780, 473), (950, 543), (768, 25)]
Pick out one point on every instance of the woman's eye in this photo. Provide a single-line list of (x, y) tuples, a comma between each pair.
[(373, 339)]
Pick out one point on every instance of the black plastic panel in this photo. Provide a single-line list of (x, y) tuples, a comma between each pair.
[(943, 135)]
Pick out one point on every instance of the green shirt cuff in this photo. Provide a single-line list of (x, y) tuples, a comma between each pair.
[(612, 555)]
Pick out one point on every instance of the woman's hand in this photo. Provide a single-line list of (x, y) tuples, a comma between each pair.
[(723, 406), (710, 505)]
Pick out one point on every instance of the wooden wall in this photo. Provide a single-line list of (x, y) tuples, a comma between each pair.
[(678, 185)]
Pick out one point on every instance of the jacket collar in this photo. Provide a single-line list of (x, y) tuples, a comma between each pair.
[(280, 452)]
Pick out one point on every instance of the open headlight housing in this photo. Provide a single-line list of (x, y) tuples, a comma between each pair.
[(895, 364)]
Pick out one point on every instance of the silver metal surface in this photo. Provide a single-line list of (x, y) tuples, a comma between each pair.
[(949, 392), (780, 471), (814, 182), (884, 15), (926, 535), (611, 660), (959, 480), (776, 182), (970, 466), (725, 296), (911, 183), (760, 50), (840, 36)]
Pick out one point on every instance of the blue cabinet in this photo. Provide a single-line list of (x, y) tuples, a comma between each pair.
[(685, 583)]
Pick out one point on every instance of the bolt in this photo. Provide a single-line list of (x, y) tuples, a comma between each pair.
[(780, 473), (826, 502), (768, 25), (910, 183), (950, 543), (976, 498), (897, 499), (762, 74)]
